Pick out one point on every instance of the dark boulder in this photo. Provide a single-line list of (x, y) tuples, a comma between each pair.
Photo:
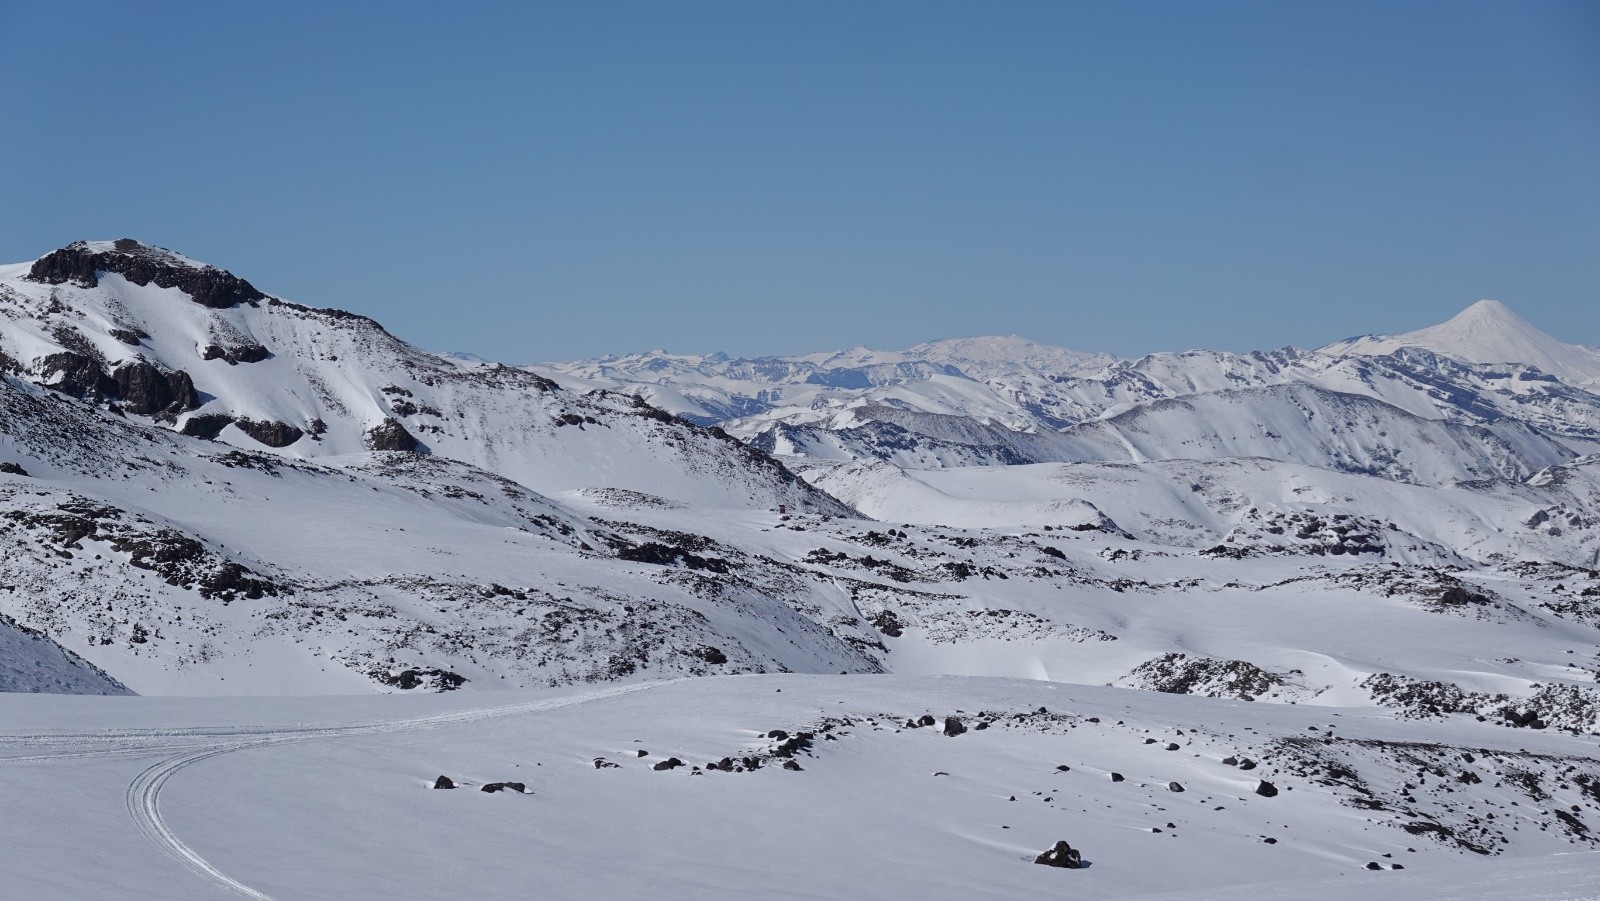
[(1266, 789), (1061, 855), (1172, 746), (953, 726), (1230, 761), (443, 782), (669, 763), (12, 469), (1247, 764), (642, 752), (925, 720), (390, 435), (517, 787), (600, 763), (1117, 777), (1174, 786), (1374, 865), (792, 765)]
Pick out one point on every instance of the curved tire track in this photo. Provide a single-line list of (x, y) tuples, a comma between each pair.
[(144, 794)]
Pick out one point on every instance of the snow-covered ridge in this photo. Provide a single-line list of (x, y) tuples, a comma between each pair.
[(197, 349)]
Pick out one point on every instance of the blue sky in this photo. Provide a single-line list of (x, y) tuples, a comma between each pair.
[(544, 181)]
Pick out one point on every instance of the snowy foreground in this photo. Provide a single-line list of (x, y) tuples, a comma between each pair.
[(331, 797)]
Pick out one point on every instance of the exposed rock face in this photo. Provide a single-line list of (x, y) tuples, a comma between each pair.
[(146, 390), (77, 375), (272, 434), (1061, 855), (236, 353), (81, 265), (12, 469), (390, 435), (206, 425)]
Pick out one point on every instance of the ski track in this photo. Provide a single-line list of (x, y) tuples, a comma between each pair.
[(144, 793)]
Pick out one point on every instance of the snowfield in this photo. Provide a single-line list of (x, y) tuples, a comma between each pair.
[(1288, 624), (343, 790)]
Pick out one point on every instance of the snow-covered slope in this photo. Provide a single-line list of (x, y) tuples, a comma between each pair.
[(1488, 332), (1163, 795), (197, 349), (31, 662)]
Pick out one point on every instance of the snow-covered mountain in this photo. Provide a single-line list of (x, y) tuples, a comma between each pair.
[(1488, 332), (1374, 577), (953, 404)]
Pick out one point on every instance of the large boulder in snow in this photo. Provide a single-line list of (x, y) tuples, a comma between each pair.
[(390, 435), (1061, 855)]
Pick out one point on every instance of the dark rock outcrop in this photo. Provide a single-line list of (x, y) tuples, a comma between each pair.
[(444, 782), (953, 726), (236, 353), (206, 425), (12, 469), (146, 390), (668, 764), (436, 679), (709, 654), (80, 265), (77, 375), (517, 787), (272, 434), (1266, 789), (390, 435), (1061, 855)]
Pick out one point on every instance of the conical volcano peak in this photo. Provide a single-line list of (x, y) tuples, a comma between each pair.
[(1488, 332)]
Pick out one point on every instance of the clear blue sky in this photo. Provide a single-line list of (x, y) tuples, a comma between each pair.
[(544, 181)]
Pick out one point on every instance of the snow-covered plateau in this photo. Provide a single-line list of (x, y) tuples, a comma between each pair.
[(1287, 624)]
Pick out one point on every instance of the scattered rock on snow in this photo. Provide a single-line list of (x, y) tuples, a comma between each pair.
[(1061, 855)]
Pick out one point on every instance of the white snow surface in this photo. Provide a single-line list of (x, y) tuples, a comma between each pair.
[(333, 798)]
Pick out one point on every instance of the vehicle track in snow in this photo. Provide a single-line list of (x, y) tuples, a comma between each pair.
[(144, 793)]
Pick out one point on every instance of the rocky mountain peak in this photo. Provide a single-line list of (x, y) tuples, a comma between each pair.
[(81, 263)]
